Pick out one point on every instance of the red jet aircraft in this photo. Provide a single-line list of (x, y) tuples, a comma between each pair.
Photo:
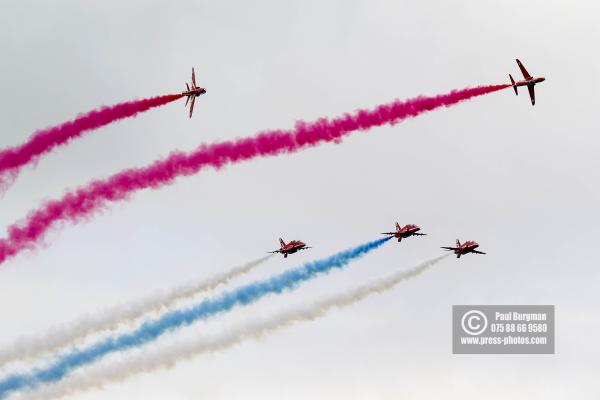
[(290, 248), (192, 93), (467, 247), (529, 81), (408, 231)]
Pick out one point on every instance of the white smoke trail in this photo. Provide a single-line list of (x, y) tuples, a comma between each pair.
[(151, 358), (109, 319)]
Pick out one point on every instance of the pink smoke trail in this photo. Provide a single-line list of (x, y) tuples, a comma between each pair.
[(43, 141), (84, 201)]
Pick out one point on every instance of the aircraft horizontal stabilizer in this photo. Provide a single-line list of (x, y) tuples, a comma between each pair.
[(513, 84)]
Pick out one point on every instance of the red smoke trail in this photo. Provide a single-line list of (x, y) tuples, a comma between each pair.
[(77, 205), (43, 141)]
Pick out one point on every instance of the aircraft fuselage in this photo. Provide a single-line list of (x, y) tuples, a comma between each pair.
[(407, 233), (465, 250), (530, 81), (291, 250), (194, 93), (469, 248)]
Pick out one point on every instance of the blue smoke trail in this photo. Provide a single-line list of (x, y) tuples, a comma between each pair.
[(151, 330)]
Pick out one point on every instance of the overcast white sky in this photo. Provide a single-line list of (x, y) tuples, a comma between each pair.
[(522, 181)]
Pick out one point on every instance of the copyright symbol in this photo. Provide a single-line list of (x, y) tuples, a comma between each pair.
[(474, 322)]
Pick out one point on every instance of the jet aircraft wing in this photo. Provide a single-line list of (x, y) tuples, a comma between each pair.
[(531, 94), (192, 105), (524, 71)]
